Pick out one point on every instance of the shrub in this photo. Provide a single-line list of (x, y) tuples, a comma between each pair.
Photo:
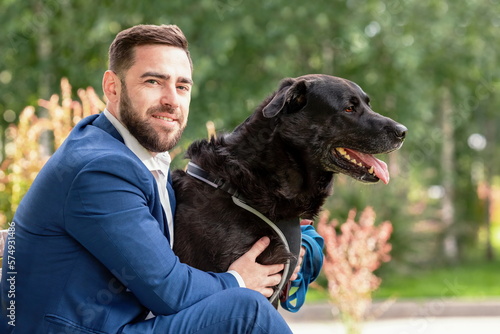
[(351, 258)]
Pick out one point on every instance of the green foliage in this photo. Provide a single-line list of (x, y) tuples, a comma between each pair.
[(406, 54)]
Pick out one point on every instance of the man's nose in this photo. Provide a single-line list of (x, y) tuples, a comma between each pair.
[(170, 97)]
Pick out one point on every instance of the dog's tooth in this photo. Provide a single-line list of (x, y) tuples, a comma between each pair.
[(371, 170), (360, 164), (347, 156), (341, 150)]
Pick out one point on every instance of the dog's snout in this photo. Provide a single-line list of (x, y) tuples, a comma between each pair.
[(400, 131)]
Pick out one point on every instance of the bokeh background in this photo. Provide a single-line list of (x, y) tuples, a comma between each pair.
[(432, 65)]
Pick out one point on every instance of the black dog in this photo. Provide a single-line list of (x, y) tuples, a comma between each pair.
[(281, 162)]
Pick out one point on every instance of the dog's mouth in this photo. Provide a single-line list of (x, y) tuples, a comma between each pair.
[(361, 166)]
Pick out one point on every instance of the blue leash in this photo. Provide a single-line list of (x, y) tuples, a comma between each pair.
[(311, 267)]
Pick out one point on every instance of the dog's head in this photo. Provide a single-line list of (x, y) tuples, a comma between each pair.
[(331, 118)]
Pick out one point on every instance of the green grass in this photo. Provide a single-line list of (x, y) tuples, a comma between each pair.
[(472, 280), (467, 281)]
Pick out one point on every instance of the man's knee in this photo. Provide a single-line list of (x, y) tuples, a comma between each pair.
[(247, 302), (255, 312), (252, 302), (250, 297)]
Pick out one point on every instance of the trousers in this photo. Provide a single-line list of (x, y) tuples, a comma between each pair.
[(232, 311)]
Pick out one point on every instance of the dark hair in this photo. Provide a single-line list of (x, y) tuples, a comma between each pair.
[(122, 50)]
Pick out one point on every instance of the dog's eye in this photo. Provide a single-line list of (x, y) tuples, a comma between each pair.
[(349, 109)]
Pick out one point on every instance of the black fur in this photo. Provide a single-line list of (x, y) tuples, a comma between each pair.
[(282, 160)]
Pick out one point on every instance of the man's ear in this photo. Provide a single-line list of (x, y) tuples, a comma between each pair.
[(111, 85), (291, 97)]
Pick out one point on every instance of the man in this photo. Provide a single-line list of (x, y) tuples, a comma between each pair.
[(93, 234)]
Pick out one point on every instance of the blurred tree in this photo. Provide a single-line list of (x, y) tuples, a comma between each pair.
[(404, 53)]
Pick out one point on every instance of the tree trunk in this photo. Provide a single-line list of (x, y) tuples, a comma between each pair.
[(450, 244)]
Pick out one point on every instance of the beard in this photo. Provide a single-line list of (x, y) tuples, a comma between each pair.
[(141, 128)]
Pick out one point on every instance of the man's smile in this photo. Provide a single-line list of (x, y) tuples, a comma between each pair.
[(168, 119)]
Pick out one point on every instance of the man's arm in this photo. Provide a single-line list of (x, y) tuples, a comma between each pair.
[(107, 212)]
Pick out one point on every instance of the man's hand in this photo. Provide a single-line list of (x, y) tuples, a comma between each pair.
[(258, 277)]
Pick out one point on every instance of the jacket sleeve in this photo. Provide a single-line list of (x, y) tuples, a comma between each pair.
[(107, 210)]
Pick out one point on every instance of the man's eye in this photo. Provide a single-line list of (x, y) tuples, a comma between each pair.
[(186, 88), (152, 81)]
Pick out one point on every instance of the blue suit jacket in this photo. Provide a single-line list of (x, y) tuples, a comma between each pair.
[(91, 250)]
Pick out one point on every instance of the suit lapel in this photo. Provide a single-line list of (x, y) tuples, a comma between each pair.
[(103, 123)]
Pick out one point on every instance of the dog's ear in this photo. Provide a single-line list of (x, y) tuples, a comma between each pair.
[(291, 97)]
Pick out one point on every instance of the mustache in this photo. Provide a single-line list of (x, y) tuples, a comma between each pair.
[(162, 108)]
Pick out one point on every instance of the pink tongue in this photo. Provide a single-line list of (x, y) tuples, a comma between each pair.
[(379, 167)]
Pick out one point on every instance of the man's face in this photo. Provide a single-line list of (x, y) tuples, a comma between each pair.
[(155, 96)]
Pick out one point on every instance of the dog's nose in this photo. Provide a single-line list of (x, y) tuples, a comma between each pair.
[(400, 131)]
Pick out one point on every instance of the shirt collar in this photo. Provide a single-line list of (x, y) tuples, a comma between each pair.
[(160, 161)]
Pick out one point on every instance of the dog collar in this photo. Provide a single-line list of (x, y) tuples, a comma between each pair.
[(199, 173)]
